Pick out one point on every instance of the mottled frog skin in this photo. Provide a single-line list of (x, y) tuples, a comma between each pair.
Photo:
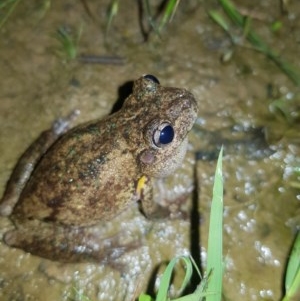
[(71, 180)]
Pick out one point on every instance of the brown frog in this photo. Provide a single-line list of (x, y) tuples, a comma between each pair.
[(69, 181)]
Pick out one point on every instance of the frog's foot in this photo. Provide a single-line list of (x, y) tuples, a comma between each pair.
[(69, 244), (173, 209), (177, 208)]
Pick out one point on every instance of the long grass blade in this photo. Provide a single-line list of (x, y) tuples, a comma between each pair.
[(215, 241), (10, 11), (292, 278)]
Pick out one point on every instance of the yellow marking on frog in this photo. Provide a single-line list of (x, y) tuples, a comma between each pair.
[(140, 186)]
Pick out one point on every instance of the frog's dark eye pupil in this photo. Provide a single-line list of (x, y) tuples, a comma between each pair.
[(163, 135), (166, 135), (152, 78)]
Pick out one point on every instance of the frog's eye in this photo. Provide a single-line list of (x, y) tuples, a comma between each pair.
[(163, 134), (152, 78)]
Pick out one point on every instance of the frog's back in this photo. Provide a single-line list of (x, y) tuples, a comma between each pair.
[(87, 175)]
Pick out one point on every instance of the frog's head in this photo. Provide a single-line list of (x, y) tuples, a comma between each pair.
[(164, 116)]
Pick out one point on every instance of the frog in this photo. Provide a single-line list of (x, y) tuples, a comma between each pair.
[(71, 180)]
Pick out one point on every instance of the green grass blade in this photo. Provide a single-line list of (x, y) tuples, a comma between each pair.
[(167, 277), (144, 297), (219, 20), (292, 278), (232, 13), (10, 10), (3, 4), (168, 14), (293, 264), (293, 294), (215, 240), (200, 293), (112, 12)]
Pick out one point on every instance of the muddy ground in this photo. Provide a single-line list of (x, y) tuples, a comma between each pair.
[(39, 85)]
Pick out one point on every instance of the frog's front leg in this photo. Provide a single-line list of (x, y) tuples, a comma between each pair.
[(144, 192), (28, 161), (159, 206), (67, 244)]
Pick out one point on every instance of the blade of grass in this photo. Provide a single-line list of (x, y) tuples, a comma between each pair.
[(167, 275), (166, 280), (6, 3), (112, 12), (200, 293), (11, 9), (68, 42), (150, 20), (79, 295), (292, 278), (215, 237), (219, 20), (168, 14)]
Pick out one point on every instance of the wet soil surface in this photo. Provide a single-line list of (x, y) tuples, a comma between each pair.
[(261, 212)]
